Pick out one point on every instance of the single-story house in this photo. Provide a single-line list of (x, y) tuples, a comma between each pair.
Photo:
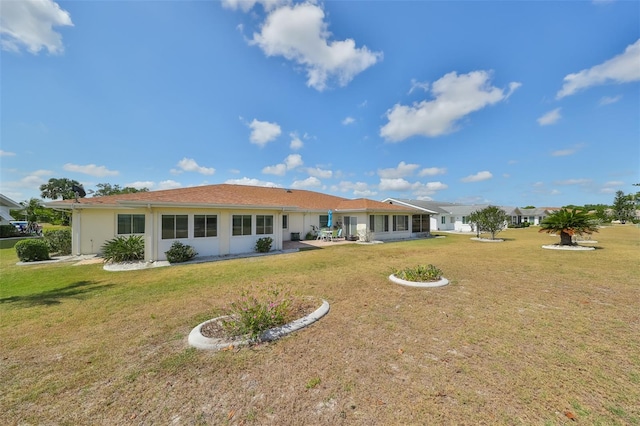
[(444, 216), (455, 217), (225, 219), (7, 204), (533, 216)]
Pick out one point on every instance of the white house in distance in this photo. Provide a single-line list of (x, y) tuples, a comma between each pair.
[(7, 204), (454, 217), (218, 220)]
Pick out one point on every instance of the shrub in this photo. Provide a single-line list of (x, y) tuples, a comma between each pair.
[(253, 314), (8, 231), (124, 249), (180, 252), (263, 245), (421, 273), (32, 249), (58, 240)]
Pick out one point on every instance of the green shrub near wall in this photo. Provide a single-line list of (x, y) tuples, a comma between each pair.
[(32, 250), (59, 240), (7, 231)]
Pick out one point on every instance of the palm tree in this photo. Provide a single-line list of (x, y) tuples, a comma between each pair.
[(568, 223)]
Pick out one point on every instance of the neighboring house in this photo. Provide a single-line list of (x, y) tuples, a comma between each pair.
[(444, 216), (534, 216), (218, 220), (455, 217), (7, 204)]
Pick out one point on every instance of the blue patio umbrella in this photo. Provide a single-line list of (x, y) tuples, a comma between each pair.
[(330, 220)]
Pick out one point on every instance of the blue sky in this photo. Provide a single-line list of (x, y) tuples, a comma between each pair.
[(511, 103)]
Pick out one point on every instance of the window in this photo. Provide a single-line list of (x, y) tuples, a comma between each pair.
[(464, 220), (130, 224), (175, 226), (205, 225), (285, 221), (420, 223), (241, 225), (443, 220), (264, 225), (324, 220), (400, 223), (379, 223), (453, 219)]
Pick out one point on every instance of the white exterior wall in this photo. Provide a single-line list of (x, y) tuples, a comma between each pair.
[(390, 234), (92, 228)]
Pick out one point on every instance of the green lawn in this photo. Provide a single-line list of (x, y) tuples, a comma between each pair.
[(522, 335)]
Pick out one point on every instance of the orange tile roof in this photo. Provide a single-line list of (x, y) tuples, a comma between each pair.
[(235, 195)]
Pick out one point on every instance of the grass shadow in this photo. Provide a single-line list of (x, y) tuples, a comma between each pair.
[(77, 290)]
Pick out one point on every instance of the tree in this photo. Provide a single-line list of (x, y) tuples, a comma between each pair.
[(491, 219), (474, 219), (568, 223), (31, 208), (623, 207), (59, 187), (529, 207), (108, 189)]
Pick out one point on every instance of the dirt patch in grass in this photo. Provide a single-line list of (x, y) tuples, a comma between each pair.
[(520, 336)]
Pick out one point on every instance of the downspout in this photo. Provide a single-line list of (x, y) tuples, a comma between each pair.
[(77, 226), (153, 249)]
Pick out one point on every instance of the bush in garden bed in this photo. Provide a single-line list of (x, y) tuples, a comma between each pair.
[(32, 250)]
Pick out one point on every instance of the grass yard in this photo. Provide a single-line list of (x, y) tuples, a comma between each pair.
[(522, 335)]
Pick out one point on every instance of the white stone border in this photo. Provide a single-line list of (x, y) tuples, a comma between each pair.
[(197, 340), (488, 240), (442, 282), (570, 248)]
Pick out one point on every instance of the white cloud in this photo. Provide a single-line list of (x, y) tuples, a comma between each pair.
[(415, 84), (396, 184), (252, 182), (608, 100), (432, 171), (310, 182), (550, 118), (278, 170), (359, 189), (141, 184), (291, 162), (190, 165), (622, 68), (299, 34), (320, 173), (480, 176), (403, 169), (296, 142), (608, 190), (423, 191), (567, 151), (263, 132), (169, 184), (30, 182), (419, 189), (29, 24), (247, 5), (455, 97), (90, 169), (348, 120), (6, 153), (572, 182)]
